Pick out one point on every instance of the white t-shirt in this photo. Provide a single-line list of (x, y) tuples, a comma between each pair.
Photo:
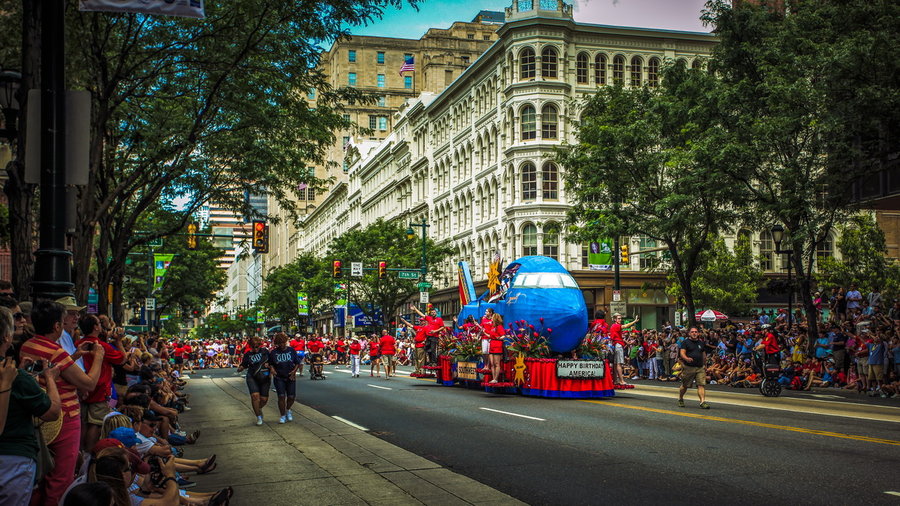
[(65, 340), (144, 444)]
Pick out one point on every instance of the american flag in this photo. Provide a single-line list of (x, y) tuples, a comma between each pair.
[(408, 64)]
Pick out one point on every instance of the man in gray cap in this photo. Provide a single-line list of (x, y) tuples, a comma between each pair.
[(70, 323)]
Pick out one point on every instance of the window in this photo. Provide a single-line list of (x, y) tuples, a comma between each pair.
[(346, 141), (351, 79), (346, 117), (581, 68), (551, 241), (550, 181), (637, 71), (647, 260), (697, 64), (470, 36), (485, 37), (380, 79), (407, 82), (529, 181), (380, 58), (766, 252), (600, 69), (549, 63), (381, 101), (825, 249), (619, 70), (465, 60), (382, 122), (529, 240), (311, 94), (549, 122), (373, 122), (351, 56), (653, 72), (526, 63), (529, 123), (584, 256)]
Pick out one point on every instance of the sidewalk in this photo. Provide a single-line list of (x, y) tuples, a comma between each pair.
[(313, 460)]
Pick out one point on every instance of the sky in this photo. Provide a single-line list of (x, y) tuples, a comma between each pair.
[(665, 14)]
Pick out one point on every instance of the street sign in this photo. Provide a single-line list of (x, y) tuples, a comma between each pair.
[(423, 297), (150, 303), (424, 285), (618, 307), (617, 295), (356, 269), (156, 243), (408, 274)]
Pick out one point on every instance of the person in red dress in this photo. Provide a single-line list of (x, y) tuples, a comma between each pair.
[(496, 331)]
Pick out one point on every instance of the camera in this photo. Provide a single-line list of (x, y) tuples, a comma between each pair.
[(88, 346), (35, 367)]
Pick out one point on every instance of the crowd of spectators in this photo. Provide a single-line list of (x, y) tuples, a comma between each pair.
[(90, 415)]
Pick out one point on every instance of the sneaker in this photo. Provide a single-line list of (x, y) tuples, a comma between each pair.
[(282, 419), (704, 405), (680, 403), (259, 420), (182, 483), (290, 416)]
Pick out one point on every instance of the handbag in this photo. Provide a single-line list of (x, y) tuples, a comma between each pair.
[(45, 460)]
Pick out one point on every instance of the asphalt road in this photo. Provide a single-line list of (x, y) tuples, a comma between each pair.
[(637, 447)]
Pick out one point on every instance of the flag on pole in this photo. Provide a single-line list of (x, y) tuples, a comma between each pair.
[(408, 65)]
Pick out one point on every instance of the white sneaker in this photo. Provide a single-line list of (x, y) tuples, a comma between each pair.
[(282, 420), (259, 420), (290, 416)]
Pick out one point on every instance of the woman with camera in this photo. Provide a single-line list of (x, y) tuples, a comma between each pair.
[(259, 379), (21, 398)]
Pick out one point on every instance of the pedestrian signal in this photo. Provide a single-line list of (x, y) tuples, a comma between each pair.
[(623, 254), (192, 236), (382, 270), (260, 237), (336, 269)]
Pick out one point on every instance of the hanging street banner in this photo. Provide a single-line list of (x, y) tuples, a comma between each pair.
[(302, 304), (179, 8), (160, 266), (600, 255), (260, 316), (340, 294)]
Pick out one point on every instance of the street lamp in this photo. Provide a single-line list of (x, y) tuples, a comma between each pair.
[(9, 103), (777, 237), (410, 234)]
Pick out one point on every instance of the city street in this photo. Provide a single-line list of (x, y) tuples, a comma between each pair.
[(814, 448)]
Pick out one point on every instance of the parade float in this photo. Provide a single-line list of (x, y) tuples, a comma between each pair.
[(548, 351)]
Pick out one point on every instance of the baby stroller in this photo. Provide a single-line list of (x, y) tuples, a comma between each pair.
[(316, 365), (770, 386)]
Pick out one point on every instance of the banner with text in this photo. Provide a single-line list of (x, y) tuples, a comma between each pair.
[(302, 304), (600, 255)]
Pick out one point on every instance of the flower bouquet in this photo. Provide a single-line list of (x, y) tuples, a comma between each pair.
[(529, 340), (593, 346), (467, 347)]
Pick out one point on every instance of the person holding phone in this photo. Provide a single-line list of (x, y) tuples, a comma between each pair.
[(21, 398), (96, 403)]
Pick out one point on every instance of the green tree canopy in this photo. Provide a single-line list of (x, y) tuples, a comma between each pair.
[(305, 274), (863, 248)]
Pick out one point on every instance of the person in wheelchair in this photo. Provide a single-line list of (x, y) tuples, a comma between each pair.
[(314, 356)]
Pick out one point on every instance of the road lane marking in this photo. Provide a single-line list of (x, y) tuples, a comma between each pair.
[(348, 422), (788, 428), (891, 492), (514, 414), (376, 386)]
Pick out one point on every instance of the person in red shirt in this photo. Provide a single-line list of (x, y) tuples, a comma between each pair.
[(47, 318), (299, 345), (769, 346), (341, 347), (374, 357), (419, 343), (388, 347), (496, 332), (355, 348), (599, 326), (96, 403), (434, 330), (618, 344), (188, 353)]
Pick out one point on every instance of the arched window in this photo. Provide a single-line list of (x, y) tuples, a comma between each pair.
[(600, 69), (619, 70), (526, 63), (529, 240), (550, 181), (637, 71), (653, 72), (529, 181), (697, 64), (549, 122), (529, 123), (766, 251), (551, 241), (549, 63), (581, 68)]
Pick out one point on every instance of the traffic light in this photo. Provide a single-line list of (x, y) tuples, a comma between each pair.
[(192, 236), (623, 254), (382, 270), (336, 269), (260, 237), (224, 316)]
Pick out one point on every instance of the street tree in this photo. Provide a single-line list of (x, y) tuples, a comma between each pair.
[(639, 167), (306, 274), (727, 280), (789, 144), (387, 242), (863, 260)]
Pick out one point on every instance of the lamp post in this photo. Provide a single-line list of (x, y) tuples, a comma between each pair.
[(410, 234), (777, 238)]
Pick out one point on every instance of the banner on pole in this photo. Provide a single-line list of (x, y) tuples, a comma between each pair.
[(600, 255), (302, 304), (161, 264)]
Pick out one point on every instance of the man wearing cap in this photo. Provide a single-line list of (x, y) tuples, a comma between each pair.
[(70, 323)]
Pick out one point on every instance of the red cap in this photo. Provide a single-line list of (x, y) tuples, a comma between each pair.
[(137, 465)]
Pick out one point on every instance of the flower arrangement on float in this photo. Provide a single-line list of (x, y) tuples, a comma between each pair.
[(467, 347), (528, 340), (593, 346)]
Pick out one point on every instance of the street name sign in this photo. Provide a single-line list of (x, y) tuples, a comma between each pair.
[(424, 285), (408, 274)]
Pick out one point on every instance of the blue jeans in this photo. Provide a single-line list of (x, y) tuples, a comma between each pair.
[(16, 479)]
